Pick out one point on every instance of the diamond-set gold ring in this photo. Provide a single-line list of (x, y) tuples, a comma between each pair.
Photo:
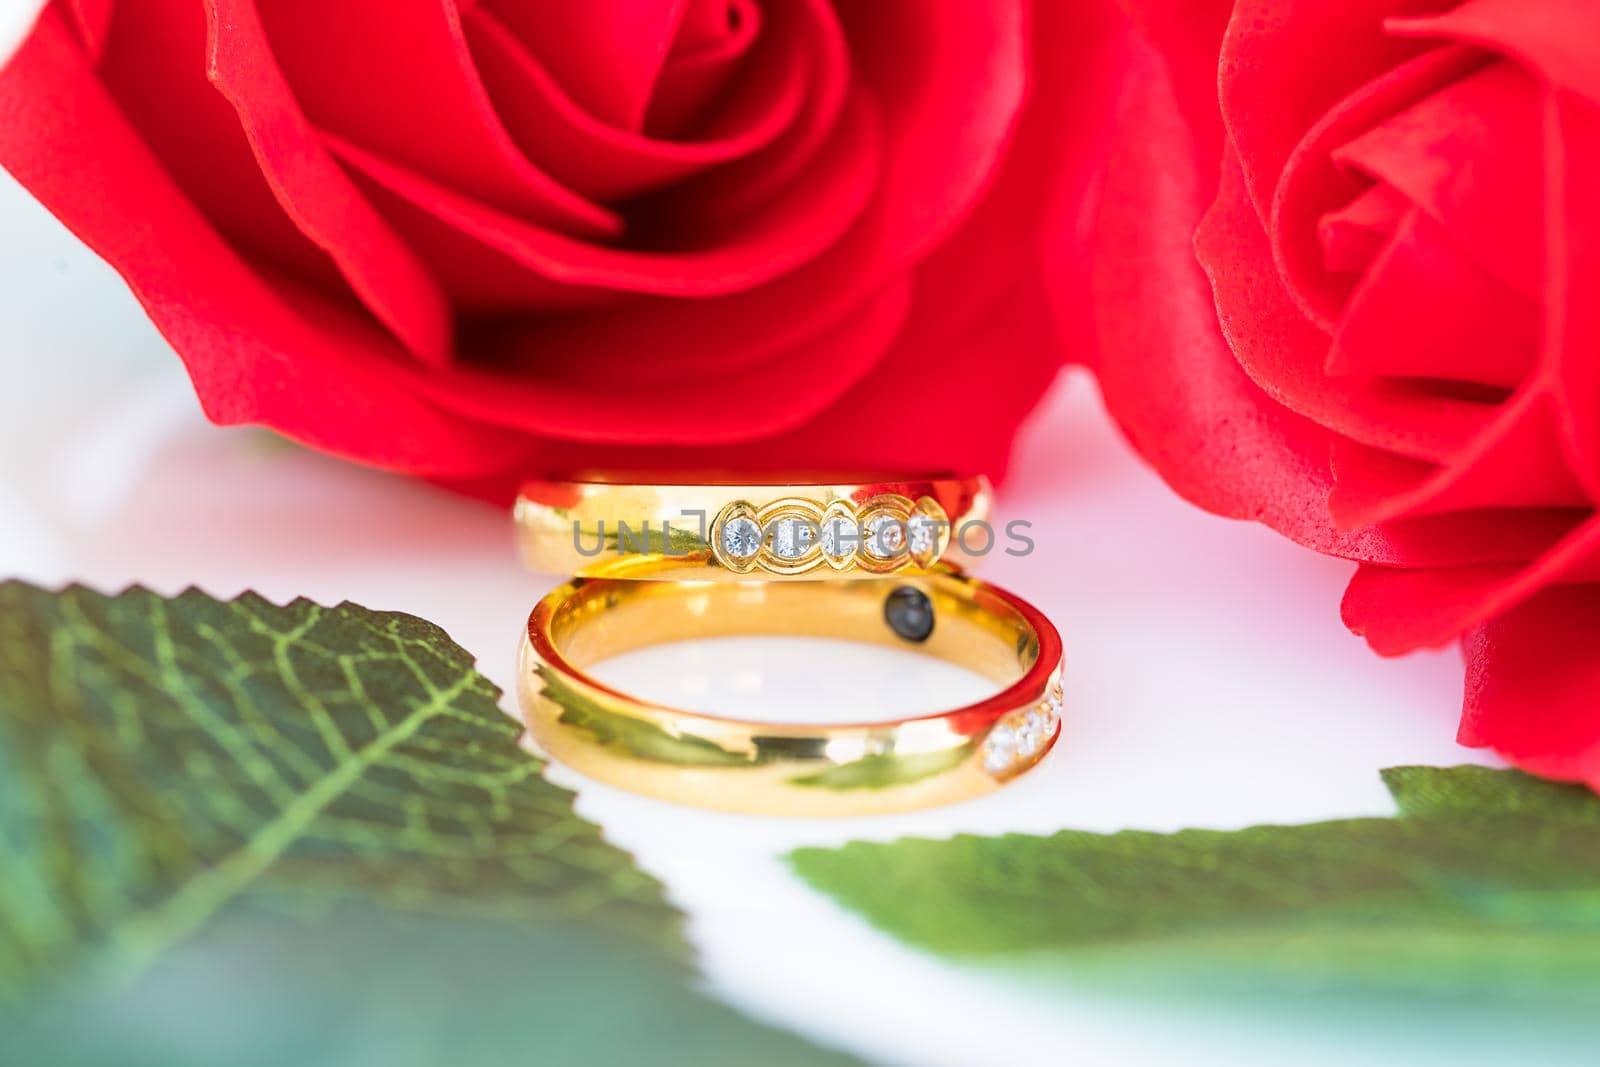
[(812, 527), (867, 765)]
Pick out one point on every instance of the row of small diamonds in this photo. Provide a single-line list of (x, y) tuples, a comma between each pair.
[(887, 537), (1022, 736)]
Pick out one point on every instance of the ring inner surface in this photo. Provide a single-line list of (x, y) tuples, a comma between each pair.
[(972, 626)]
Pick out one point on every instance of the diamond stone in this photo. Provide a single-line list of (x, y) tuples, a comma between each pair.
[(792, 538), (886, 537), (741, 537), (1030, 735), (999, 750), (1020, 739), (839, 537), (923, 533)]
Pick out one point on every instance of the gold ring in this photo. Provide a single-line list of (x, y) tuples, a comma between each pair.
[(731, 764), (803, 528)]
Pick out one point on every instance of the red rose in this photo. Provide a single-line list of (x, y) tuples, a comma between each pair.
[(1403, 254), (472, 239)]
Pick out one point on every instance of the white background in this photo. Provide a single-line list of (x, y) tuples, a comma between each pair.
[(1209, 681), (15, 18)]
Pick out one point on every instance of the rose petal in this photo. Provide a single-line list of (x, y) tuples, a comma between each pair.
[(743, 328), (981, 339), (956, 411), (1482, 333), (1572, 242), (401, 84), (702, 66), (710, 24), (1170, 380), (1467, 155), (1402, 610), (318, 371), (754, 402), (1285, 355), (92, 19), (1317, 174), (953, 351), (1556, 38), (1269, 47), (155, 53), (805, 27), (919, 64), (606, 163), (1179, 394), (1517, 462), (606, 53), (1188, 35), (1468, 538), (1555, 45), (315, 191), (715, 334), (882, 422), (1033, 217), (949, 79), (1352, 236), (1533, 682), (480, 249)]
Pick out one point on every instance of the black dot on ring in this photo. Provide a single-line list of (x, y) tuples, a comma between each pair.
[(909, 613)]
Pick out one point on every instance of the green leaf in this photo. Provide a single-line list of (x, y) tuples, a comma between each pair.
[(357, 985), (1470, 791), (1488, 881), (225, 814)]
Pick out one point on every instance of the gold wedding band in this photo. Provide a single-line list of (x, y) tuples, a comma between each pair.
[(790, 528), (868, 766)]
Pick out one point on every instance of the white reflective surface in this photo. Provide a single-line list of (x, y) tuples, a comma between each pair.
[(793, 679), (16, 18)]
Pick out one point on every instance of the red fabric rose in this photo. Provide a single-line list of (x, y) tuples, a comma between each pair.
[(1402, 252), (469, 239)]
